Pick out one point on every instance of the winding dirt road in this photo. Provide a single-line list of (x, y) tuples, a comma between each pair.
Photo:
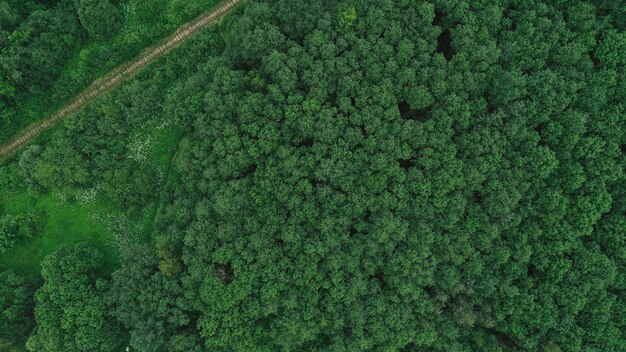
[(120, 74)]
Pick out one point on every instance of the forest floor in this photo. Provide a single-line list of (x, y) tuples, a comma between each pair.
[(118, 75)]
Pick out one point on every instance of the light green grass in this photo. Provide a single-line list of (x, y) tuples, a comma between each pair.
[(165, 139), (66, 223)]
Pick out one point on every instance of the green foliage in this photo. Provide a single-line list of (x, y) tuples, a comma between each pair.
[(47, 56), (442, 176), (149, 11), (39, 168), (9, 16), (347, 16), (85, 191), (169, 264), (612, 50), (433, 179), (482, 341), (71, 311), (131, 186), (146, 301), (32, 56), (100, 18), (16, 228), (16, 309)]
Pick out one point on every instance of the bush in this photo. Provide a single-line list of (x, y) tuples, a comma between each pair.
[(16, 228)]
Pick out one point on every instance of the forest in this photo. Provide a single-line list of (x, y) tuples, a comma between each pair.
[(354, 175)]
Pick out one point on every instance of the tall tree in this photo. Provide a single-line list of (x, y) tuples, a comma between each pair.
[(71, 311)]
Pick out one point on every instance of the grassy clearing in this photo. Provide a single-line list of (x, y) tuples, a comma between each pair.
[(66, 223), (160, 140), (73, 216)]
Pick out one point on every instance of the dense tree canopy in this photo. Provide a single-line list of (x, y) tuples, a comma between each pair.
[(33, 54), (404, 175), (367, 175), (147, 300), (71, 310), (17, 302), (100, 18)]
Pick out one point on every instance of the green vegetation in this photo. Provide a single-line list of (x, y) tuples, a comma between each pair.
[(71, 311), (50, 51), (48, 205), (316, 175), (17, 301), (66, 223), (100, 18)]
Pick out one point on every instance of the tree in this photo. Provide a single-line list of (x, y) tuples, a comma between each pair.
[(145, 300), (131, 185), (33, 55), (71, 311), (16, 309), (16, 228), (100, 18), (346, 17)]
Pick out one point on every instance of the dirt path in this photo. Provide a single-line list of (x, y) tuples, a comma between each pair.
[(120, 74)]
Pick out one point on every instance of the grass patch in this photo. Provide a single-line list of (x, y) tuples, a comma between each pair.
[(66, 223), (161, 142)]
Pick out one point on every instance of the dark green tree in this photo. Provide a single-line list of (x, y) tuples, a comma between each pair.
[(71, 309), (100, 18), (148, 300), (17, 304)]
